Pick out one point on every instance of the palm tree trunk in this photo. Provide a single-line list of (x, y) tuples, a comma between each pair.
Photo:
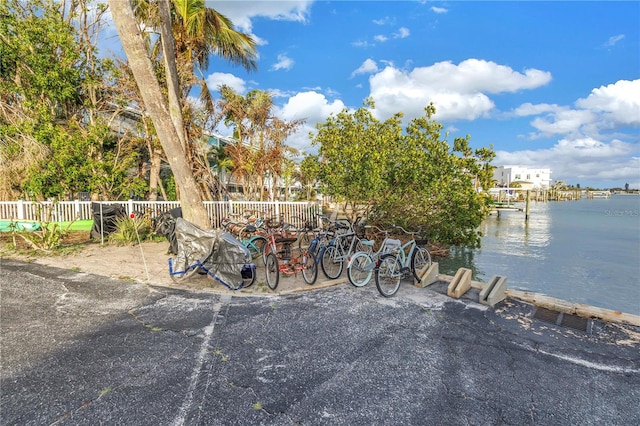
[(154, 176), (192, 207), (173, 84)]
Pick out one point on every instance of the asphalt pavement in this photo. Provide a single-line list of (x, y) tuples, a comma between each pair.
[(81, 349)]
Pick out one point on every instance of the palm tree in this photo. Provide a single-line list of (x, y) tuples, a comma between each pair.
[(198, 32), (260, 150), (157, 107)]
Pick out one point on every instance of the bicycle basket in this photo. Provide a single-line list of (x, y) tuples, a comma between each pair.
[(391, 245)]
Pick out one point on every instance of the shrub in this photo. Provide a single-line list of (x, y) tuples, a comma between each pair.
[(131, 230)]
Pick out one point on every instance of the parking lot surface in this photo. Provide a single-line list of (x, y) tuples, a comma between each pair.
[(81, 349)]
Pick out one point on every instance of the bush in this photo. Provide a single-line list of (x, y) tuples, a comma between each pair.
[(131, 230)]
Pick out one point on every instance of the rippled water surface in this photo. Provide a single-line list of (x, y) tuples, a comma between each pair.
[(585, 251)]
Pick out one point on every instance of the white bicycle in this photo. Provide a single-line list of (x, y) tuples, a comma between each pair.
[(362, 264)]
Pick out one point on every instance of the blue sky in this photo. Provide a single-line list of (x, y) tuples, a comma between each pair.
[(548, 84)]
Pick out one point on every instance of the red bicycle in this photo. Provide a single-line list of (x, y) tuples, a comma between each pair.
[(280, 257)]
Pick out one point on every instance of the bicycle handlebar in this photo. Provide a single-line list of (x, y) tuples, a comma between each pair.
[(386, 231), (405, 231)]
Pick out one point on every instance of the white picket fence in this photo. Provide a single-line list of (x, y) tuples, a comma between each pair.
[(66, 211)]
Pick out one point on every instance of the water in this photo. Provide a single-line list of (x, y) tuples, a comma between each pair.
[(585, 251)]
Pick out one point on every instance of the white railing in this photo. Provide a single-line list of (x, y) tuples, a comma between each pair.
[(67, 211)]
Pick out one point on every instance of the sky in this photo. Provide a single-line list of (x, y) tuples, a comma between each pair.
[(546, 84)]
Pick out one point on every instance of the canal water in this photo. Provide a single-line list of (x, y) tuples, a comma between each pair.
[(585, 251)]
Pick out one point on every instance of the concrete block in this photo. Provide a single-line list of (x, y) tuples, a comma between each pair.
[(428, 275), (494, 292), (460, 284)]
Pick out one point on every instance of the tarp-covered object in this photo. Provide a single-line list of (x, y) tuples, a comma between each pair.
[(105, 217), (222, 256)]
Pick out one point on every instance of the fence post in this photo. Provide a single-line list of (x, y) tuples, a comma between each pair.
[(20, 210), (129, 207)]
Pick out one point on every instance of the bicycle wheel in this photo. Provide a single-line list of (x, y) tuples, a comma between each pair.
[(419, 259), (331, 267), (310, 268), (256, 245), (304, 239), (360, 269), (266, 249), (248, 275), (388, 275), (272, 270)]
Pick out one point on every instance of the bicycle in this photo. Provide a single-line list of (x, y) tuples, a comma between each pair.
[(215, 253), (362, 264), (408, 258), (249, 234), (285, 262), (340, 249)]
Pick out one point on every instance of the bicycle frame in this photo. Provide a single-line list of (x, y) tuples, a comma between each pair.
[(387, 246), (405, 252), (343, 254), (361, 264), (288, 264)]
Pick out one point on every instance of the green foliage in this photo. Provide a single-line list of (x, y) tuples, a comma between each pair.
[(50, 235), (39, 57), (131, 231), (52, 87), (411, 178)]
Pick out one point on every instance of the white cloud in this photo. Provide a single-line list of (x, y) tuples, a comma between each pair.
[(284, 63), (458, 91), (380, 38), (613, 40), (619, 103), (403, 32), (216, 79), (607, 108), (277, 93), (362, 43), (582, 159), (311, 106), (368, 66), (435, 9), (563, 122), (384, 21), (242, 12), (528, 109)]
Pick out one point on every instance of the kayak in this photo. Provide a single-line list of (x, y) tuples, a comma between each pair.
[(18, 225)]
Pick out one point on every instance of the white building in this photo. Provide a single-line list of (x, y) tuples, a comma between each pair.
[(536, 178)]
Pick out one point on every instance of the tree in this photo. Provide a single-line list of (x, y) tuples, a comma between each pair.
[(54, 107), (310, 173), (354, 161), (157, 107), (197, 32), (409, 177), (260, 150)]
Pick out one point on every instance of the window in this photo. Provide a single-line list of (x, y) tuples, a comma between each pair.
[(517, 177)]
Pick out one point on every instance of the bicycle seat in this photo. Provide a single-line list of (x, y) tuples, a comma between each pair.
[(368, 243), (285, 240), (250, 228)]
